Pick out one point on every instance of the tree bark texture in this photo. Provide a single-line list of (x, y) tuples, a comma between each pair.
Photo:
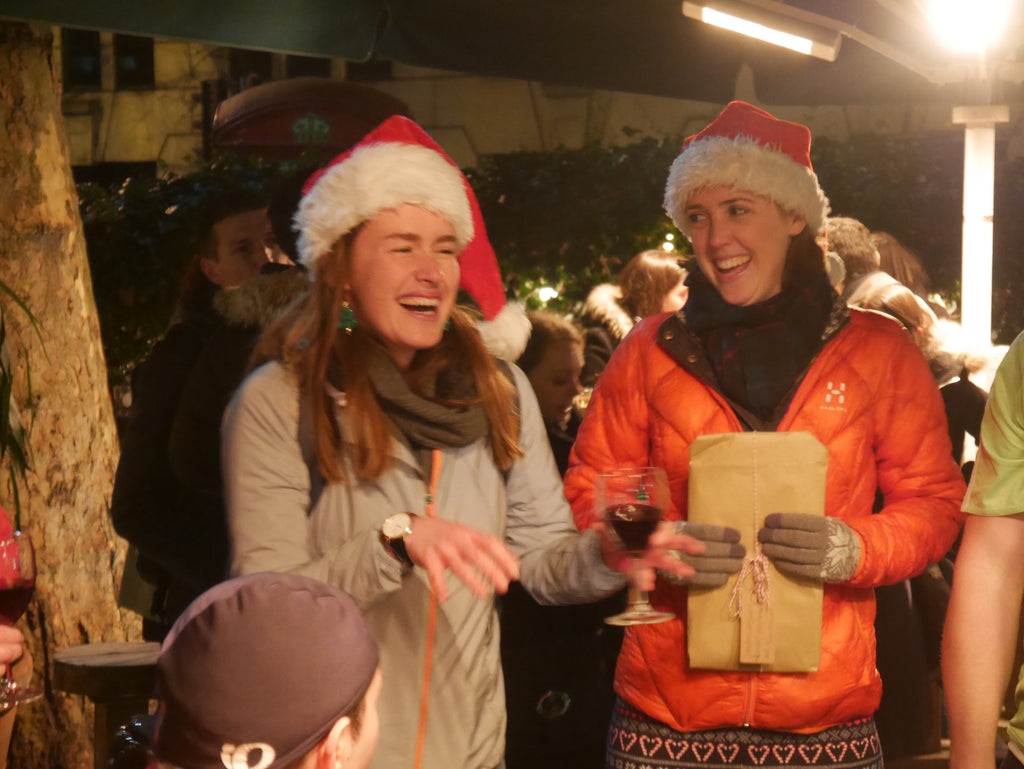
[(63, 397)]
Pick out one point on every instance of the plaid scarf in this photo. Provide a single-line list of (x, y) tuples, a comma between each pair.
[(760, 352)]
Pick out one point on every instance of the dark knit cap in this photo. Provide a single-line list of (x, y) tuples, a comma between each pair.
[(257, 670)]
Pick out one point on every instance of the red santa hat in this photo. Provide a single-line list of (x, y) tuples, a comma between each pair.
[(747, 148), (398, 163)]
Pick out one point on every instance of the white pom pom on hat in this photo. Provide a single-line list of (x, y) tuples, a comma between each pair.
[(749, 149), (398, 163)]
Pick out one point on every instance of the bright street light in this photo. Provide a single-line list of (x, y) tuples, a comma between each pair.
[(969, 27)]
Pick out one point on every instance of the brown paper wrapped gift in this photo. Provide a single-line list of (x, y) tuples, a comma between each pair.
[(771, 622)]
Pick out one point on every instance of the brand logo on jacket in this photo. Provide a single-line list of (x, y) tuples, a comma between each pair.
[(835, 397)]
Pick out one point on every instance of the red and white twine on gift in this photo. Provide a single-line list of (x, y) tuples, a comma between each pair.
[(756, 565)]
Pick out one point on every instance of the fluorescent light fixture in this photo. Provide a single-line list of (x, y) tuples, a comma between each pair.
[(770, 22)]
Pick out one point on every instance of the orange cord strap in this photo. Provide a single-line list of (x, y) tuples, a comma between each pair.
[(421, 735)]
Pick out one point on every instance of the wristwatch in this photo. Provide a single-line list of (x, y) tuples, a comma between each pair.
[(393, 532)]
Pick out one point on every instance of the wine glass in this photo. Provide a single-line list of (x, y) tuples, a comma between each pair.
[(17, 583), (631, 501)]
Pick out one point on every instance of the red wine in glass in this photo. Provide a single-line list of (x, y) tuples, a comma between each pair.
[(631, 501), (17, 583), (633, 522), (14, 599)]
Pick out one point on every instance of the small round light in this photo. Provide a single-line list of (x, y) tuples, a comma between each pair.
[(546, 293)]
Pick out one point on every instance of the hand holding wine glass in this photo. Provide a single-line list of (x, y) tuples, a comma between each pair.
[(631, 502), (17, 584)]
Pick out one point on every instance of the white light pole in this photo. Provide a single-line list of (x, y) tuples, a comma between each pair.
[(979, 182), (974, 29)]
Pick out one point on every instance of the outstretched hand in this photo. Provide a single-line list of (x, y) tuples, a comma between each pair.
[(658, 555), (481, 561)]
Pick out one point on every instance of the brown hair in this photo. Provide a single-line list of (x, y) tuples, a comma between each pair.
[(851, 240), (646, 279), (547, 328), (804, 258), (306, 338), (901, 263)]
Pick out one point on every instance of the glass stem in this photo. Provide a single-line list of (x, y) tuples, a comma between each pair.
[(637, 598)]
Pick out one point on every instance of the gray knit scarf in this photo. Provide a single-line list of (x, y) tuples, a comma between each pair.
[(446, 416)]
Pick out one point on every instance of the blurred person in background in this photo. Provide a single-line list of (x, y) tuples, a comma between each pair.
[(553, 361), (984, 615), (559, 661), (180, 533), (651, 282)]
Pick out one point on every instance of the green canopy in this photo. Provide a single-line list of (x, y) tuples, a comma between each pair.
[(641, 46)]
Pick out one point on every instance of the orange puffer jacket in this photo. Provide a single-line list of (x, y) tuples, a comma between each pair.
[(870, 398)]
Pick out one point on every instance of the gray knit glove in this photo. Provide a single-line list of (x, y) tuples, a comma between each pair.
[(811, 546), (722, 559)]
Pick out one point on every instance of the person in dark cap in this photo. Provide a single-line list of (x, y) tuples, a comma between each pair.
[(268, 671)]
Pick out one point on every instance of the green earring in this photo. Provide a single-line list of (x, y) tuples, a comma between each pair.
[(347, 321), (448, 325)]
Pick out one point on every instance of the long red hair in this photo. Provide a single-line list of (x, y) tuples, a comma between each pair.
[(307, 340)]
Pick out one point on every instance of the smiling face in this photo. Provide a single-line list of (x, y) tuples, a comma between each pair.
[(403, 279), (740, 240)]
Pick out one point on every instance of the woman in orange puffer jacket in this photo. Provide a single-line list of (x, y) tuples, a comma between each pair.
[(764, 343)]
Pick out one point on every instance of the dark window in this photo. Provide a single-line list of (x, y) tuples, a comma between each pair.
[(307, 66), (368, 71), (249, 68), (133, 62), (80, 54), (113, 175)]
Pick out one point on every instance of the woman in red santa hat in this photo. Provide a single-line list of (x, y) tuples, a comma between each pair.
[(763, 343), (385, 451)]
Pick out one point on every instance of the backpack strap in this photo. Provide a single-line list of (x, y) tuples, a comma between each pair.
[(307, 444)]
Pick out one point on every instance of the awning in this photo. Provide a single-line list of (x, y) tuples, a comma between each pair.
[(641, 46)]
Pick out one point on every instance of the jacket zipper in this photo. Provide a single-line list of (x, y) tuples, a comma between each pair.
[(748, 712), (428, 657)]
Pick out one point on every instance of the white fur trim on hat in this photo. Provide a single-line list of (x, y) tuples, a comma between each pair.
[(372, 179), (506, 335), (747, 165)]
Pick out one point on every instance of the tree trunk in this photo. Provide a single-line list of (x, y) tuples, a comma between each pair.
[(61, 389)]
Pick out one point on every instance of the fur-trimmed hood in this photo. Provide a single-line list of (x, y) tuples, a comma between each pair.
[(942, 341), (604, 305), (261, 300)]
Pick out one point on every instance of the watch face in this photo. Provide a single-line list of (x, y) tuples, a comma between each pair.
[(396, 525)]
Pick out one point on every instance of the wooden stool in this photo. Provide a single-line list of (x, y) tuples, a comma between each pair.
[(117, 677)]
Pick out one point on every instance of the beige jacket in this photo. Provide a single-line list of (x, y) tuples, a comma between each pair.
[(440, 661)]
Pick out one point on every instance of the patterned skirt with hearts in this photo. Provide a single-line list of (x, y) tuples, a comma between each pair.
[(638, 742)]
